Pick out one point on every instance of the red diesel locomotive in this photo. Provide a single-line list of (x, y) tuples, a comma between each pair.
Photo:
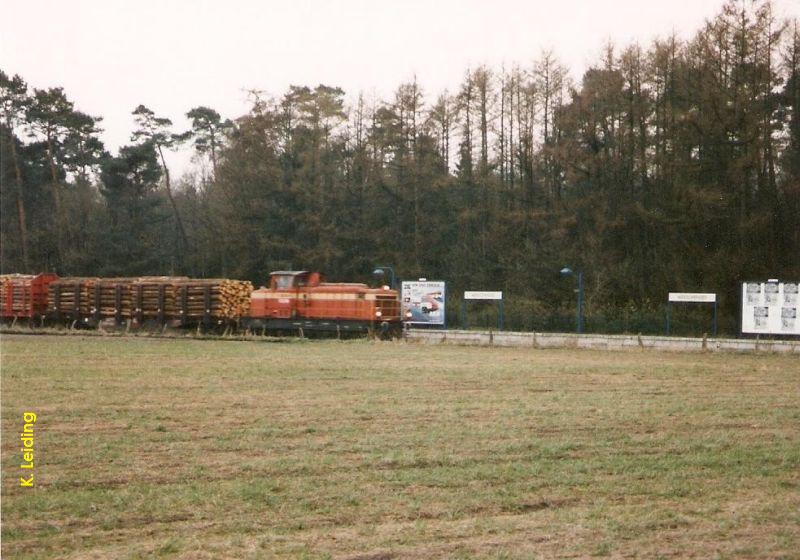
[(301, 300)]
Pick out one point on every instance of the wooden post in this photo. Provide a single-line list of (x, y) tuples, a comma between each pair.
[(184, 304), (77, 306), (160, 311), (118, 304), (97, 315), (57, 301), (138, 303), (206, 304)]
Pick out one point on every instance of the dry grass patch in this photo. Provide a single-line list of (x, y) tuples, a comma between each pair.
[(209, 449)]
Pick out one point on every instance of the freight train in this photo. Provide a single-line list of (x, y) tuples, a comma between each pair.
[(296, 302)]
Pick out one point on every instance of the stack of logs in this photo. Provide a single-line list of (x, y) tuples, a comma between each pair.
[(150, 297), (113, 296), (24, 295), (153, 297), (228, 299), (70, 296), (15, 297)]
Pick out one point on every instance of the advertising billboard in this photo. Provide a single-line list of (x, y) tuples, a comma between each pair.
[(770, 308), (425, 301)]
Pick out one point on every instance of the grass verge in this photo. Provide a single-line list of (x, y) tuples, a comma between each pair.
[(206, 449)]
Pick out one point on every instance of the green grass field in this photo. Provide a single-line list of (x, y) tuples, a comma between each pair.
[(214, 449)]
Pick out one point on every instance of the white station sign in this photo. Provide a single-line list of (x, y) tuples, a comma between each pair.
[(483, 295), (689, 297)]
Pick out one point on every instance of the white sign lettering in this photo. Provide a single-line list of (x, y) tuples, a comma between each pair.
[(692, 297), (483, 295)]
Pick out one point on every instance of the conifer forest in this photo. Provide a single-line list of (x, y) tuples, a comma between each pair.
[(671, 166)]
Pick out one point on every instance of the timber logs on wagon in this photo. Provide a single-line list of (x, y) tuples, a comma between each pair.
[(154, 297), (14, 298), (215, 298), (159, 298), (98, 298), (111, 297), (24, 295), (69, 297)]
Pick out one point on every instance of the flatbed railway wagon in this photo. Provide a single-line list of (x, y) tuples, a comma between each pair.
[(299, 301), (148, 302)]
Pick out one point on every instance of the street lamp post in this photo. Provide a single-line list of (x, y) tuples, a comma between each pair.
[(380, 273), (579, 276)]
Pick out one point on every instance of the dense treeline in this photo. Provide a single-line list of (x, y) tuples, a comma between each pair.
[(673, 167)]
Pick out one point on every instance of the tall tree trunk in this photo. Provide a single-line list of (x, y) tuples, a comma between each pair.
[(213, 155), (511, 129), (483, 89), (502, 127), (446, 135), (59, 233), (23, 228), (181, 230)]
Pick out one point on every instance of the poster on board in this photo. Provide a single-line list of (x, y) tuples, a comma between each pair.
[(425, 301), (770, 308)]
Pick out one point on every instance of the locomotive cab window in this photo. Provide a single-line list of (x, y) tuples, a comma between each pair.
[(283, 282)]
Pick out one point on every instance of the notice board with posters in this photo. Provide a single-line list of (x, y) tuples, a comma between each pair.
[(770, 308), (423, 302)]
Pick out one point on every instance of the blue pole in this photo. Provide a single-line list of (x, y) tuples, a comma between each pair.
[(392, 277), (444, 301), (580, 302), (715, 315), (669, 308)]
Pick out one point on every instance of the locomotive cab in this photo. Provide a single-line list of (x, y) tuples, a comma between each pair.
[(290, 280)]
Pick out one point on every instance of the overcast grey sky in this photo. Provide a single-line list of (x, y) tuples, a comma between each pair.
[(173, 55)]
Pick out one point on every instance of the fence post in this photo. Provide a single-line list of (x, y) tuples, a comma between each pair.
[(97, 314)]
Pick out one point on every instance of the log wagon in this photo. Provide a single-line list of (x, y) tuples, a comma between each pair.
[(24, 296)]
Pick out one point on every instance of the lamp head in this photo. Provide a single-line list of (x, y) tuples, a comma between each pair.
[(566, 271), (378, 273)]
